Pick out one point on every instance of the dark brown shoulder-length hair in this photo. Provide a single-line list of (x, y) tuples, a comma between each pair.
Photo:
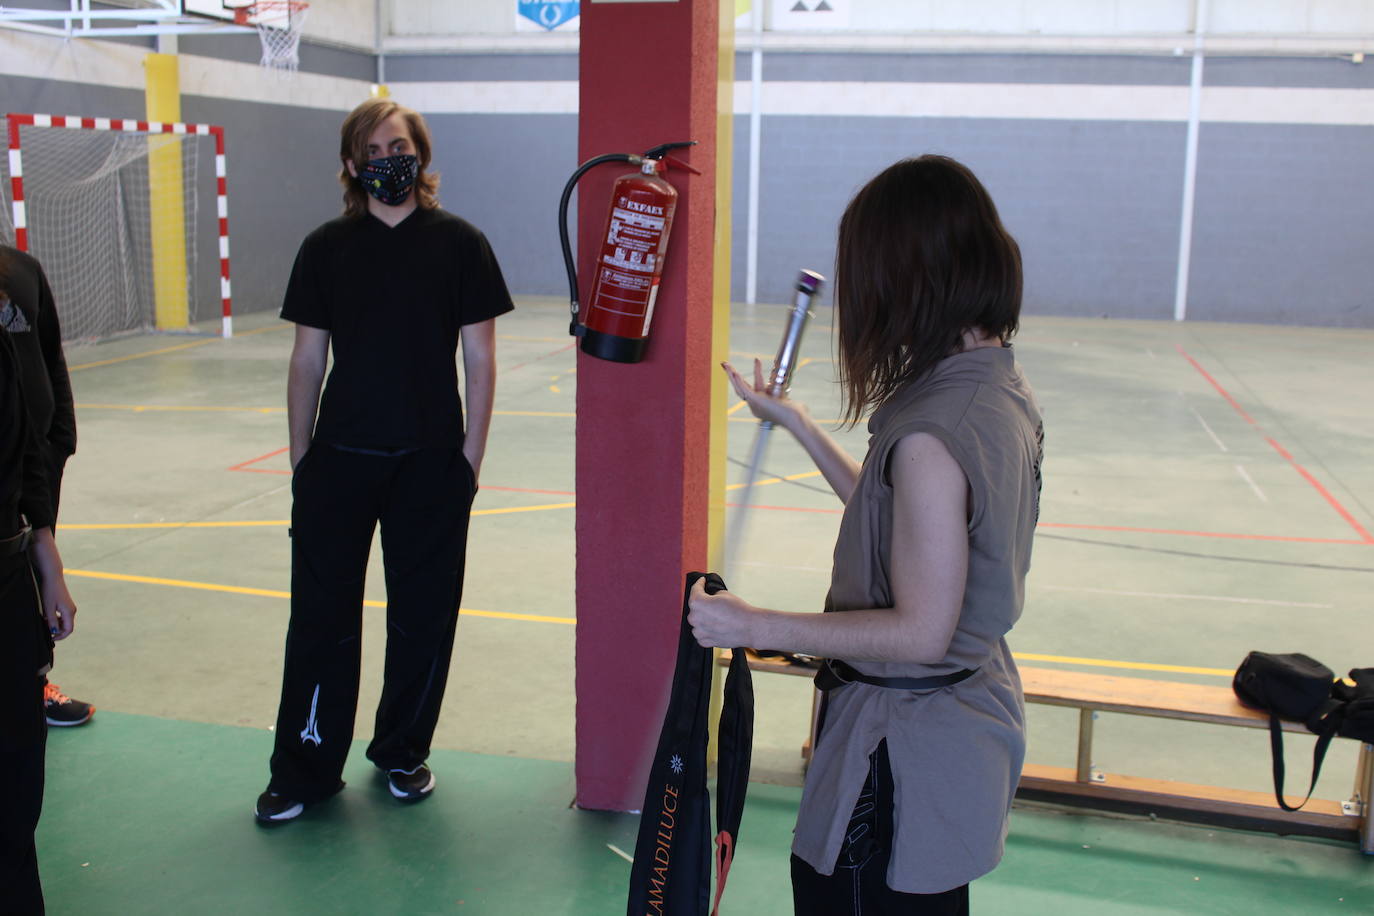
[(360, 124), (922, 257)]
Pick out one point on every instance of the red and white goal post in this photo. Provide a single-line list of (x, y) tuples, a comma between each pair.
[(111, 208)]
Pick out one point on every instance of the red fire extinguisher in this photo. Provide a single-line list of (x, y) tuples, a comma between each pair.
[(614, 325)]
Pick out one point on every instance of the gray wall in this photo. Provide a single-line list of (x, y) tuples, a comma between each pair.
[(1062, 187), (504, 173)]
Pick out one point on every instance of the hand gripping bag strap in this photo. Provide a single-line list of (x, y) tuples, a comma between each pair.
[(735, 743), (671, 875)]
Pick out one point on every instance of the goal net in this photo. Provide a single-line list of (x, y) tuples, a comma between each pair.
[(128, 219)]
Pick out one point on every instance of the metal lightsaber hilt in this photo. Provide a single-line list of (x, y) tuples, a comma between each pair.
[(779, 381), (809, 283)]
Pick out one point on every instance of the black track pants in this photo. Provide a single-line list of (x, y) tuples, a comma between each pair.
[(422, 501), (23, 735), (859, 885)]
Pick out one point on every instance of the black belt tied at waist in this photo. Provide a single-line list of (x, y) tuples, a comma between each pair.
[(17, 544), (835, 673)]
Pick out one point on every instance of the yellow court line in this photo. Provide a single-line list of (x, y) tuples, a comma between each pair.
[(125, 359), (140, 408), (137, 525), (191, 408), (539, 618), (277, 593), (733, 410), (766, 481), (512, 509), (1112, 663), (565, 414), (751, 419), (281, 523), (184, 346)]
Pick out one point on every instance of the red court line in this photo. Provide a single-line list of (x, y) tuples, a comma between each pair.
[(529, 362), (1365, 536), (1217, 385), (1205, 534), (243, 465)]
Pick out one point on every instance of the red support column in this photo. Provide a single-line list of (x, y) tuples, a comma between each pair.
[(648, 76)]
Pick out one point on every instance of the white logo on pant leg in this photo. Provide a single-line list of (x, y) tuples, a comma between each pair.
[(311, 732)]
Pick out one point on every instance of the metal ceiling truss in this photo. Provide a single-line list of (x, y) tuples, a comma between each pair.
[(113, 19)]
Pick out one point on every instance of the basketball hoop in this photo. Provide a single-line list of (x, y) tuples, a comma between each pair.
[(279, 24)]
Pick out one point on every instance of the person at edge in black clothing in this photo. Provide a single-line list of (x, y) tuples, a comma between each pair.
[(35, 609), (393, 286), (31, 318)]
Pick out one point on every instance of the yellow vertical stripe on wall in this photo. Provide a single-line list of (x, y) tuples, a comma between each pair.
[(720, 298), (720, 328), (167, 205)]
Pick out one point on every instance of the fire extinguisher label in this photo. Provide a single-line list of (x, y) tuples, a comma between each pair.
[(635, 232)]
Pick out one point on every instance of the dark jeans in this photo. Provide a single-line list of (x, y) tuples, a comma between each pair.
[(859, 885), (422, 500)]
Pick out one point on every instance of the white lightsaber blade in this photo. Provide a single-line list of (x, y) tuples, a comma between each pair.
[(779, 383)]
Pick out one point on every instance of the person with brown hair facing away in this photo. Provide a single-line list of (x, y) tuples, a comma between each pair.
[(393, 286), (922, 735)]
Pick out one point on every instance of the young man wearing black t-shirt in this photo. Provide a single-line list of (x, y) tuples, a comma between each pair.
[(394, 285)]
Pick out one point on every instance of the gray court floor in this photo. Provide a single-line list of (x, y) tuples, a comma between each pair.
[(1208, 490)]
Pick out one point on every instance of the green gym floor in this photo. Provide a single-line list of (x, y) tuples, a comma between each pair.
[(1208, 490)]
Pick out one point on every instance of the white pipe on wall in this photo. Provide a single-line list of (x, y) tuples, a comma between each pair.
[(1185, 233), (751, 255)]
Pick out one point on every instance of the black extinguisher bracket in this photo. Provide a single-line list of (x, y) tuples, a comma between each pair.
[(601, 343)]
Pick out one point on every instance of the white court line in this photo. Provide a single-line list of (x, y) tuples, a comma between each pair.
[(622, 853), (1221, 445), (1251, 481), (1226, 598)]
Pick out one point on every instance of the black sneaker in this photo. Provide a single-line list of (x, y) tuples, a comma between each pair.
[(411, 785), (62, 711), (276, 809)]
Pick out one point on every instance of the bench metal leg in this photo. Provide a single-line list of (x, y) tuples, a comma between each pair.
[(1085, 745), (1364, 795)]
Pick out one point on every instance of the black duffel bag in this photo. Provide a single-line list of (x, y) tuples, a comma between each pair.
[(1295, 687)]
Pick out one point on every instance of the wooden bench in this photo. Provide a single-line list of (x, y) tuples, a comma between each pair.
[(1086, 786)]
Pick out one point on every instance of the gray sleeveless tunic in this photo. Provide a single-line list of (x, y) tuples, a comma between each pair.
[(956, 751)]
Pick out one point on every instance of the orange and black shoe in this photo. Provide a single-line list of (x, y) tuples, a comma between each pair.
[(62, 711)]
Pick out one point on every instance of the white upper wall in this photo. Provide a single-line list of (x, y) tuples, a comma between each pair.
[(1115, 17), (349, 22), (432, 18)]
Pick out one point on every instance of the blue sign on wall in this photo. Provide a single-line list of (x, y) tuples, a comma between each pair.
[(548, 13)]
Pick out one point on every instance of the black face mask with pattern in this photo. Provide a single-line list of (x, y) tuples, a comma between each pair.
[(390, 179)]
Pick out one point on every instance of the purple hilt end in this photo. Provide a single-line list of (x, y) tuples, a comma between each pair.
[(809, 282)]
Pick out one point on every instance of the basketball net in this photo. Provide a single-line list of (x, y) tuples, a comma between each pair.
[(279, 24)]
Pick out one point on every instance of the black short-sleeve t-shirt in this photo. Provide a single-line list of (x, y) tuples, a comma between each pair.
[(393, 299)]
